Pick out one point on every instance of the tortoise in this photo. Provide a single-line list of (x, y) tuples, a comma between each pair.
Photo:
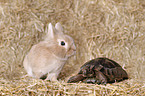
[(101, 71)]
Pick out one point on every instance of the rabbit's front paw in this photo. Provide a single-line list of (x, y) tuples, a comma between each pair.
[(52, 77)]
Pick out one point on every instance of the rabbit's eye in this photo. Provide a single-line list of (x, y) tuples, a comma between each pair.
[(62, 43)]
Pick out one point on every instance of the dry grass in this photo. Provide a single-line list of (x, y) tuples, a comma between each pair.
[(108, 28)]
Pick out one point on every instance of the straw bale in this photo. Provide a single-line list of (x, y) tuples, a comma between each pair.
[(100, 28)]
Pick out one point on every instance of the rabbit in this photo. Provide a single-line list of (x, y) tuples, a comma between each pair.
[(48, 57)]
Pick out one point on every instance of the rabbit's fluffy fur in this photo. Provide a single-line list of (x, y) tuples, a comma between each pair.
[(49, 56)]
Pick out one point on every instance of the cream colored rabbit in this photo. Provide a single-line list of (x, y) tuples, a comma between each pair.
[(49, 56)]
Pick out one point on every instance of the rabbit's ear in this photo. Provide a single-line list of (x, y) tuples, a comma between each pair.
[(59, 27), (50, 30)]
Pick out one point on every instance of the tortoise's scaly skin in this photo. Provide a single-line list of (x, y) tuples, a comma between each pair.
[(101, 71)]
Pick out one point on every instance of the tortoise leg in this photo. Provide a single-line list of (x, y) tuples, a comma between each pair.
[(77, 78), (101, 78)]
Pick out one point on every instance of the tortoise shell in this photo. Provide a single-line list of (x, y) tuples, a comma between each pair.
[(101, 71)]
